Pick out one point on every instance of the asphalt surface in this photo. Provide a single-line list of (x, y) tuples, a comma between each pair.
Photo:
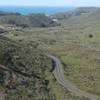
[(62, 81)]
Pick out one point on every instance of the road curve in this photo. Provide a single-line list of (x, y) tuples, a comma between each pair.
[(62, 81)]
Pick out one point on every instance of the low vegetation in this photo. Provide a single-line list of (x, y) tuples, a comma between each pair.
[(32, 20), (22, 56), (23, 72)]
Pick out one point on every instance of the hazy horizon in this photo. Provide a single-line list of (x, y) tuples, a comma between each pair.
[(44, 6), (50, 3)]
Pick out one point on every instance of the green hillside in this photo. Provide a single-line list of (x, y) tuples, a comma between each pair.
[(23, 72), (77, 12), (26, 73), (33, 20)]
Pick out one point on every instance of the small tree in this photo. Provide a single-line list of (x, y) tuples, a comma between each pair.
[(90, 36)]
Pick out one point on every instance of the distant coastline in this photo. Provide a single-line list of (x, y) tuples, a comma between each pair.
[(47, 10)]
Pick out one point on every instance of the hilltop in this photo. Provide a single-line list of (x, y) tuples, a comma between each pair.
[(77, 12), (31, 20)]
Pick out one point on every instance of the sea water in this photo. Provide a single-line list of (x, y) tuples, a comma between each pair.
[(35, 9)]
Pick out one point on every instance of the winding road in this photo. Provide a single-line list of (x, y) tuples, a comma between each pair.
[(62, 81)]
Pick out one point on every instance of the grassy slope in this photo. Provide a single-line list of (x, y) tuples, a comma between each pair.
[(30, 75), (26, 79), (72, 44), (32, 20), (76, 51)]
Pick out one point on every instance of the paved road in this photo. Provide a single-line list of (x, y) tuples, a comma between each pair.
[(62, 81)]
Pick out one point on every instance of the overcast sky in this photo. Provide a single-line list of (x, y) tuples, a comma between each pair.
[(51, 2)]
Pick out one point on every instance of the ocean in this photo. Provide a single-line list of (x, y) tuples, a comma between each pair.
[(31, 9)]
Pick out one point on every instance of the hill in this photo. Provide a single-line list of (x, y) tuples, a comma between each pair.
[(32, 20), (23, 72), (91, 18), (77, 12), (27, 74)]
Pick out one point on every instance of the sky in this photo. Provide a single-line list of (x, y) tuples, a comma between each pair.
[(51, 2)]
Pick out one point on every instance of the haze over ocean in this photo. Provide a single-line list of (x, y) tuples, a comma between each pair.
[(36, 9)]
